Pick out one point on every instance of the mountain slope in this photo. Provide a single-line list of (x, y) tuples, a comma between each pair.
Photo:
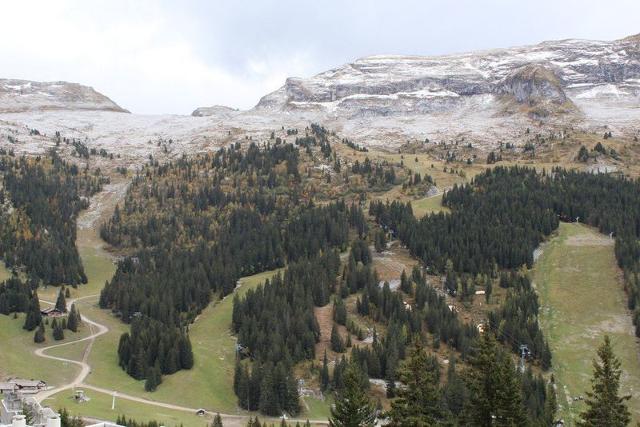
[(398, 85), (23, 95)]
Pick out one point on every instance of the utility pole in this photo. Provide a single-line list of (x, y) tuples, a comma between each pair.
[(113, 401)]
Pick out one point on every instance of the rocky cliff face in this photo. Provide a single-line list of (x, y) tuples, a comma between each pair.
[(533, 83), (551, 72), (216, 110), (23, 95)]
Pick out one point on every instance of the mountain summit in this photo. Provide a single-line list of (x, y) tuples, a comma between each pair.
[(24, 95), (555, 72)]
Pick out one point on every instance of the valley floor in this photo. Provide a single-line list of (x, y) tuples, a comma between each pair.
[(582, 298)]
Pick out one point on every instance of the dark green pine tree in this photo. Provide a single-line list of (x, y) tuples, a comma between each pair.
[(352, 407), (217, 421), (154, 378), (124, 350), (550, 403), (337, 344), (339, 311), (58, 331), (39, 336), (291, 402), (269, 404), (241, 385), (455, 392), (494, 390), (34, 317), (380, 241), (419, 401), (324, 373), (605, 407), (186, 352), (73, 318), (405, 283), (61, 302)]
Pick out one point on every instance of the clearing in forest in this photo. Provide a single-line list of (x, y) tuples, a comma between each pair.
[(582, 299)]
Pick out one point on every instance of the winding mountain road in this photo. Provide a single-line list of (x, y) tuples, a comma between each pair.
[(96, 329)]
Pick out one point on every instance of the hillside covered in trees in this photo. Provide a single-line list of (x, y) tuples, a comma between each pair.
[(40, 201), (193, 227)]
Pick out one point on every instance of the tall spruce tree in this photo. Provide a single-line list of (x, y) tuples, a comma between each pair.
[(455, 393), (61, 302), (39, 337), (605, 406), (495, 397), (419, 401), (324, 373), (337, 344), (34, 317), (551, 403), (58, 331), (73, 319), (352, 407), (154, 378)]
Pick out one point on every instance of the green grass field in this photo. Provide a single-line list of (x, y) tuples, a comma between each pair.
[(581, 300), (17, 357), (209, 382), (428, 205), (73, 351), (99, 406), (21, 361), (317, 409)]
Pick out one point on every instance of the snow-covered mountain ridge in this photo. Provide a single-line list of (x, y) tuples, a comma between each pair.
[(23, 95), (578, 70), (485, 98)]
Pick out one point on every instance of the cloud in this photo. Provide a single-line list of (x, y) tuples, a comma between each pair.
[(133, 54), (167, 56)]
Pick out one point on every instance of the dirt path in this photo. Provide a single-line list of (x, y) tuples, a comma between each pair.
[(85, 369), (324, 316)]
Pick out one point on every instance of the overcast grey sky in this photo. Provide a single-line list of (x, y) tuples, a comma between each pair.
[(173, 56)]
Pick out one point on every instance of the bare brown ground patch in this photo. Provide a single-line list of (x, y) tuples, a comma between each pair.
[(324, 316), (390, 263), (589, 240)]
